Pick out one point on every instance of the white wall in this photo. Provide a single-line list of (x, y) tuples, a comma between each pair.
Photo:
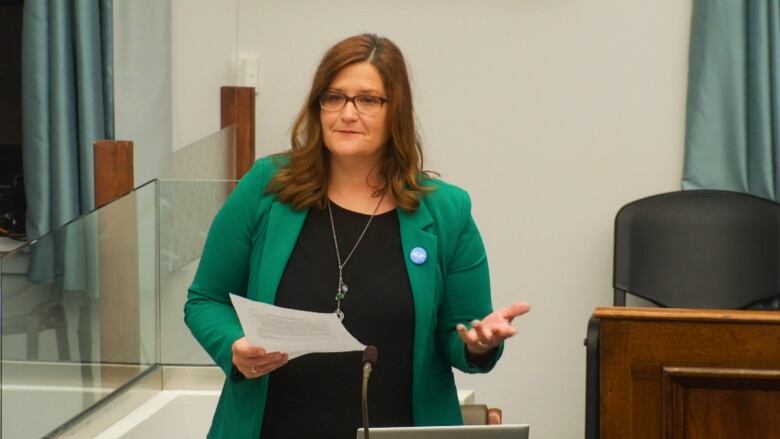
[(142, 82), (170, 59), (552, 113), (205, 40)]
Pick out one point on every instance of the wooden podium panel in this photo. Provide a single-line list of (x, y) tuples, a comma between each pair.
[(674, 373), (705, 402)]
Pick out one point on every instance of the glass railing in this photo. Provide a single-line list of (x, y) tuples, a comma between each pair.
[(79, 307), (199, 181), (97, 303), (211, 158), (186, 211), (90, 307)]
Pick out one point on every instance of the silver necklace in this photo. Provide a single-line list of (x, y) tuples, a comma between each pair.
[(341, 291)]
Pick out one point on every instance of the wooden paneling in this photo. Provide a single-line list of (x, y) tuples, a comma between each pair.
[(636, 345), (238, 108), (716, 403)]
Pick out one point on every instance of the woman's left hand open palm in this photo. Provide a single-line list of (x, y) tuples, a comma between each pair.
[(488, 333)]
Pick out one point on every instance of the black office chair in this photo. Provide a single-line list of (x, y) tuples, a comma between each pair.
[(691, 249), (698, 249)]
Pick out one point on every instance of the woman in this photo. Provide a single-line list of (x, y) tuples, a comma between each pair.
[(347, 222)]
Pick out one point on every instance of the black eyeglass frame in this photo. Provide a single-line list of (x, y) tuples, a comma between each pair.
[(347, 99)]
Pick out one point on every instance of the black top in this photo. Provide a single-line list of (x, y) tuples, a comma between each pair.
[(318, 395)]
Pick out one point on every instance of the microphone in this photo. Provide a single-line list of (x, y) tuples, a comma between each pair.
[(369, 361)]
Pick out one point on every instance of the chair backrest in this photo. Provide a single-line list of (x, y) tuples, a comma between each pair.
[(698, 249)]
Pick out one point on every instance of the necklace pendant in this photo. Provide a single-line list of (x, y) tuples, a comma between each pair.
[(341, 291)]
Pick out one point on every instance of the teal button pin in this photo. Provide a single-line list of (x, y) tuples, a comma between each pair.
[(418, 255)]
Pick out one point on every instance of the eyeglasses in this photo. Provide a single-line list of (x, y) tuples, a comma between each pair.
[(364, 104)]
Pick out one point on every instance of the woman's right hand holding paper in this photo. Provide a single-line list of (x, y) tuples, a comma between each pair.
[(253, 361)]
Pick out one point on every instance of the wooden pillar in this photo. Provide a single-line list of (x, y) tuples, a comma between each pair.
[(113, 170), (238, 109), (117, 261)]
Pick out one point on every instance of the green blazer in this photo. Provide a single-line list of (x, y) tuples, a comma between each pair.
[(246, 251)]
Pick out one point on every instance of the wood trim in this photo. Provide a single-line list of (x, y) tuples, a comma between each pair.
[(237, 105), (678, 380), (691, 315), (698, 374), (113, 165)]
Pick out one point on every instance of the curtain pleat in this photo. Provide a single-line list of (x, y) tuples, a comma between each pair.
[(732, 124), (67, 104)]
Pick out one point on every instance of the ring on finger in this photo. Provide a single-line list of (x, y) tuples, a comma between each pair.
[(482, 345)]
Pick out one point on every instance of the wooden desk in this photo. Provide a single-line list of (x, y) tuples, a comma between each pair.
[(678, 373)]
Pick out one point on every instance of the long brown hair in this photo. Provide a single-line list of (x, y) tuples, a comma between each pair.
[(303, 181)]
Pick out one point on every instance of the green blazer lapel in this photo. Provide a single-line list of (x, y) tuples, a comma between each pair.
[(284, 226), (415, 232)]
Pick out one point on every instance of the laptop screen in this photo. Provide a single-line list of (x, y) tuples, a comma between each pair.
[(507, 431)]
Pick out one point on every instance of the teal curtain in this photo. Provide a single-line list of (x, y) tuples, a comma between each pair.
[(67, 104), (733, 117)]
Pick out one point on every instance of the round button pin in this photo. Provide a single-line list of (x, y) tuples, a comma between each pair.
[(418, 255)]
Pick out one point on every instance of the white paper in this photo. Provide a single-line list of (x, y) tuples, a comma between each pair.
[(290, 331)]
